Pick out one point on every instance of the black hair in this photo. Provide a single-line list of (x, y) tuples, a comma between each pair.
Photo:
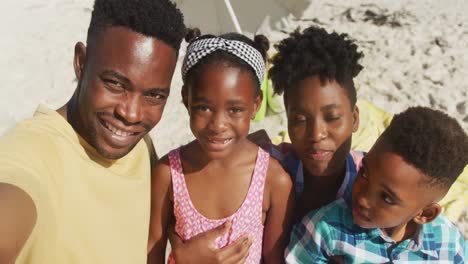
[(431, 141), (159, 19), (260, 43), (331, 56)]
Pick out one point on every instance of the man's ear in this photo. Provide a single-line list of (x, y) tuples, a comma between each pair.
[(184, 93), (79, 60), (428, 214), (257, 104), (355, 118)]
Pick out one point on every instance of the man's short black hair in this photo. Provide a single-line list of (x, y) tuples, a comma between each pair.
[(431, 141), (159, 19), (315, 52)]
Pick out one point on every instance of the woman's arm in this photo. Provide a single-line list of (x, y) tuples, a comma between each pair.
[(280, 215), (161, 211)]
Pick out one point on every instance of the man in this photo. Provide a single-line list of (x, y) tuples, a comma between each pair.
[(75, 182)]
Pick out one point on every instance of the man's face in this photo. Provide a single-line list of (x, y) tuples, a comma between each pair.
[(320, 123), (388, 192), (124, 81)]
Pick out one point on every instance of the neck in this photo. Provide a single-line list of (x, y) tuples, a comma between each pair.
[(326, 182), (401, 232)]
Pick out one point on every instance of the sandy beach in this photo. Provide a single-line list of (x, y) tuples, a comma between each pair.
[(416, 53)]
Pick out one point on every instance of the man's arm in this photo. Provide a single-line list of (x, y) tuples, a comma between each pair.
[(161, 211), (280, 215), (17, 219)]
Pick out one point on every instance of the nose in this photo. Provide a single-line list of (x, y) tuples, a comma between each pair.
[(129, 110), (218, 122), (317, 130), (363, 201)]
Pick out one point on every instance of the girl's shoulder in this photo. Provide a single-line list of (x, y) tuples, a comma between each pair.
[(277, 177)]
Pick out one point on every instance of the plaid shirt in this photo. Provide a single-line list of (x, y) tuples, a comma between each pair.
[(330, 231)]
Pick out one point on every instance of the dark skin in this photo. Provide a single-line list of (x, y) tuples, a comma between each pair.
[(119, 98), (127, 92), (321, 121), (218, 165), (393, 195)]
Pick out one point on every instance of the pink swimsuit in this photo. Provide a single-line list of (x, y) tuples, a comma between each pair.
[(246, 220)]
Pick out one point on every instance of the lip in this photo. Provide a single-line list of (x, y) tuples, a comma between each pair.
[(319, 154), (116, 136), (218, 143)]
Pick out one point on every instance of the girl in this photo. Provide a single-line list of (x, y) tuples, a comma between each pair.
[(221, 177)]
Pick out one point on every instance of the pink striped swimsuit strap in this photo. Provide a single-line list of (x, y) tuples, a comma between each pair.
[(179, 188), (257, 185)]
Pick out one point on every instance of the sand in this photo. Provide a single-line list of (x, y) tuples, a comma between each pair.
[(416, 53)]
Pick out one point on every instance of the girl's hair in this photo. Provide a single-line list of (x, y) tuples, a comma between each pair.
[(260, 43), (315, 52)]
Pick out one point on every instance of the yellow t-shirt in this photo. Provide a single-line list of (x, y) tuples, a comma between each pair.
[(89, 209)]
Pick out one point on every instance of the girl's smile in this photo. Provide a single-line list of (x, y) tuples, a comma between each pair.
[(221, 102)]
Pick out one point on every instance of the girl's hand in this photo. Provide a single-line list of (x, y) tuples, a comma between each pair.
[(200, 249)]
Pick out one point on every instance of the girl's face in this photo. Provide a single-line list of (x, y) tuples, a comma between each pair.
[(221, 102), (320, 123)]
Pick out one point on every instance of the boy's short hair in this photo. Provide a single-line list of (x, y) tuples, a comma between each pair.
[(331, 56), (159, 19), (431, 141)]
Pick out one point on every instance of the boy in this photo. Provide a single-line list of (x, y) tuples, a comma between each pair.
[(393, 215)]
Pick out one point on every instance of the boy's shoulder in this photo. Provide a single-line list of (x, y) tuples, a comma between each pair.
[(442, 230), (331, 218)]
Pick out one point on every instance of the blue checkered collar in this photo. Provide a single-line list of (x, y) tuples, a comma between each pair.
[(422, 240)]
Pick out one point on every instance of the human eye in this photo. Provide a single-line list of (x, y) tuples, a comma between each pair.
[(202, 108), (154, 98), (113, 85), (299, 119), (331, 117), (363, 174), (387, 199), (236, 110)]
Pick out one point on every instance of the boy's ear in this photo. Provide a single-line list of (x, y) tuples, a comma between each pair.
[(428, 214), (355, 118), (257, 104), (79, 60), (184, 93)]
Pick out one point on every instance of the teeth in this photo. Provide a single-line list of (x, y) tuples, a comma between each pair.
[(118, 131), (225, 141)]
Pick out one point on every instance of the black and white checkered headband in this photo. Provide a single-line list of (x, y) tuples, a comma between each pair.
[(203, 47)]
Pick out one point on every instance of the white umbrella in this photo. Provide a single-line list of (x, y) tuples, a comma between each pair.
[(221, 16)]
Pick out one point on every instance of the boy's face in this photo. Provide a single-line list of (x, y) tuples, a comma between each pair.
[(124, 81), (320, 123), (389, 192), (221, 103)]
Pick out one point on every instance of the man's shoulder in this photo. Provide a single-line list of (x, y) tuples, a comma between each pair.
[(28, 134)]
